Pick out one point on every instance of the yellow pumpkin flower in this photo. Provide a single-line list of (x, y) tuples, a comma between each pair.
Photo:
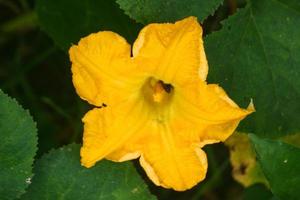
[(152, 103)]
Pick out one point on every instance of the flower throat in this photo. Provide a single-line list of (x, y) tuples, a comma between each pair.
[(158, 92)]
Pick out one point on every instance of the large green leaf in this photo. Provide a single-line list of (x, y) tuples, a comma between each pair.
[(280, 163), (256, 55), (146, 11), (66, 21), (59, 175), (18, 141)]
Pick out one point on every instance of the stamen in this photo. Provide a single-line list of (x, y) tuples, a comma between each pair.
[(157, 92), (161, 91)]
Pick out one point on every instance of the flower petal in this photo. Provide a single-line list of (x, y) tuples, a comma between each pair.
[(107, 131), (208, 110), (172, 164), (100, 65), (175, 50), (207, 104)]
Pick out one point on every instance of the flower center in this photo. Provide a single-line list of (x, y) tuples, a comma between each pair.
[(157, 92)]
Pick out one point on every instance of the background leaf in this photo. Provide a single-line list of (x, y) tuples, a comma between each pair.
[(59, 175), (66, 21), (18, 143), (280, 164), (146, 11), (256, 55)]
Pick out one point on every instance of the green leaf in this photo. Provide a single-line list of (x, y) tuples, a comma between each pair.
[(280, 163), (59, 175), (256, 56), (66, 21), (18, 141), (146, 11)]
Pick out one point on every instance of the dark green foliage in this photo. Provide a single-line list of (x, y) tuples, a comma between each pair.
[(18, 141), (66, 21), (280, 163), (146, 11), (257, 192), (59, 175)]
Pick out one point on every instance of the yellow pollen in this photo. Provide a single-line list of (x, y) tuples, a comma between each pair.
[(158, 92)]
